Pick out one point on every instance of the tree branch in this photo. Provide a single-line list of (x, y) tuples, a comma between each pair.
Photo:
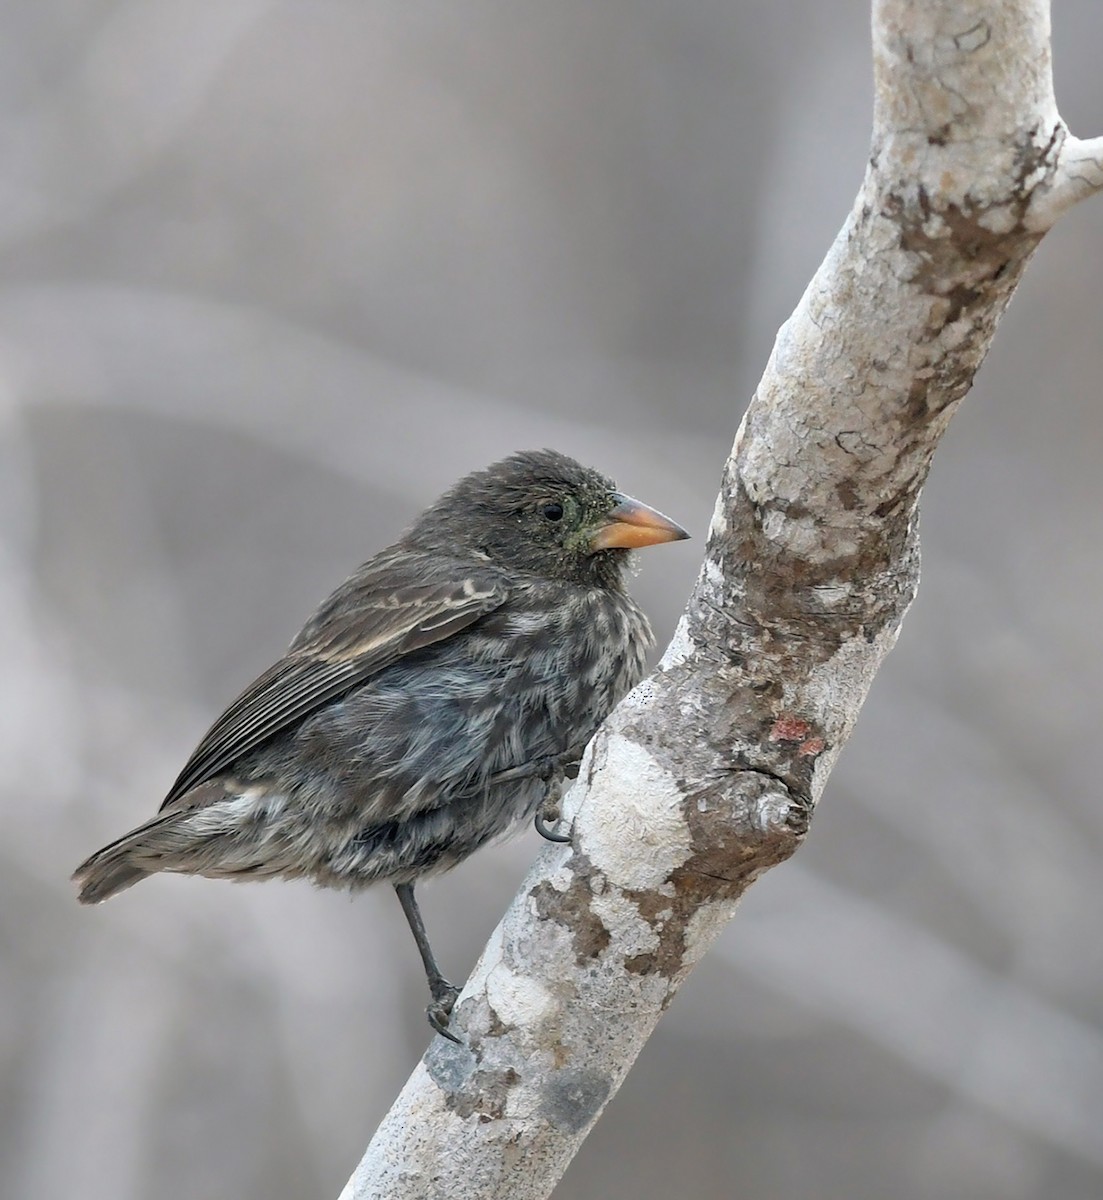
[(707, 775)]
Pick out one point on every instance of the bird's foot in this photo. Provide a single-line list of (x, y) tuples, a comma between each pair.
[(444, 995), (547, 816)]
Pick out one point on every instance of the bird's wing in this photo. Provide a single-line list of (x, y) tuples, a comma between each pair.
[(396, 603)]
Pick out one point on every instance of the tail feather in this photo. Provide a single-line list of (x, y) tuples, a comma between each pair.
[(102, 880), (120, 864)]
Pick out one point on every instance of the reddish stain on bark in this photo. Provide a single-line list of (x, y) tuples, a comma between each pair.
[(788, 728)]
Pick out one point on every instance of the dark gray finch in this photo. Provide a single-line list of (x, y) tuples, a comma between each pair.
[(437, 698)]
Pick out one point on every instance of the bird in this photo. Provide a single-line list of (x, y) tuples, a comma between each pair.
[(439, 697)]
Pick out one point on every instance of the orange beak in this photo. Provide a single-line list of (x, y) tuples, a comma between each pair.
[(631, 525)]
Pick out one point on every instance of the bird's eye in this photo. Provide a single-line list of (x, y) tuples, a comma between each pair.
[(552, 511)]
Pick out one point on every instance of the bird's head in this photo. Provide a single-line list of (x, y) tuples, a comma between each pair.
[(542, 513)]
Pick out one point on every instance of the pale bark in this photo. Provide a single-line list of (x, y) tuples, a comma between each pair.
[(707, 775)]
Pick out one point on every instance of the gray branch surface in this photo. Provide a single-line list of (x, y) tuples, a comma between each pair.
[(708, 774)]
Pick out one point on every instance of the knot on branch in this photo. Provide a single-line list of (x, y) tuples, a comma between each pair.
[(744, 824)]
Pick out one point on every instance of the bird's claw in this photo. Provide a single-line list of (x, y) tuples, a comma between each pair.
[(440, 1008), (547, 817)]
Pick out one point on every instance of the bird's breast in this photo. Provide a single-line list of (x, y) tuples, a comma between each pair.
[(586, 647)]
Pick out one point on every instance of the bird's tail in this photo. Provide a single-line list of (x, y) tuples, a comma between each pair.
[(122, 863)]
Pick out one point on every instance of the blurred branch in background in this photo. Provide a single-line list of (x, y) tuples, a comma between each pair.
[(1014, 1054), (71, 147)]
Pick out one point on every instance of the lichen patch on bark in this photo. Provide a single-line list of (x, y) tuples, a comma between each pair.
[(572, 910), (637, 835), (467, 1086), (573, 1097)]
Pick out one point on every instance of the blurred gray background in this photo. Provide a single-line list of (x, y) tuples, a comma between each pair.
[(274, 274)]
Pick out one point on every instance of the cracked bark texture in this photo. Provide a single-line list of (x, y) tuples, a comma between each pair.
[(708, 774)]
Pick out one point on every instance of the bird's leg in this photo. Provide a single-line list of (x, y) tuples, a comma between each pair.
[(442, 992), (541, 768), (546, 768)]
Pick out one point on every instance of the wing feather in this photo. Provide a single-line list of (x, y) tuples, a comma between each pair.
[(397, 603)]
